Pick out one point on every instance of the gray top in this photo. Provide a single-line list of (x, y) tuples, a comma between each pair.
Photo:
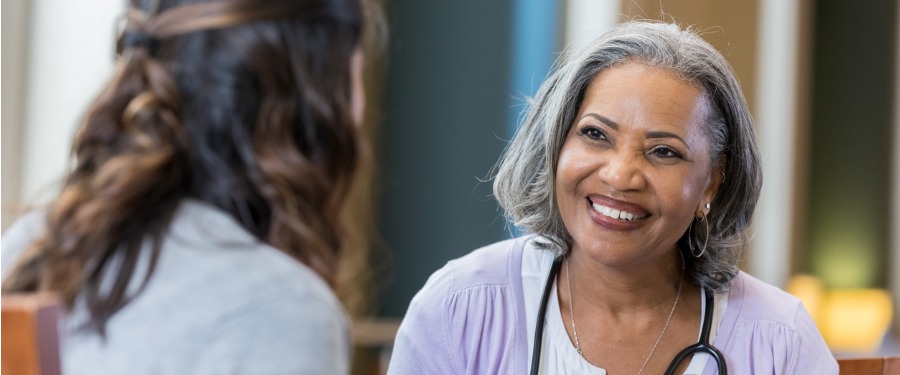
[(219, 302)]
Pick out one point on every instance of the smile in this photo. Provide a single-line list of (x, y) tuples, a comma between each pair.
[(616, 214)]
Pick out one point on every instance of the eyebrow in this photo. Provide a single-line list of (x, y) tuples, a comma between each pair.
[(603, 119), (657, 134), (653, 134)]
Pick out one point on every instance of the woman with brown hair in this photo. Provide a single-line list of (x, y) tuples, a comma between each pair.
[(199, 230)]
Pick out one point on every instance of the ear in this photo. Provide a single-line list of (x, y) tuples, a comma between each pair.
[(717, 176)]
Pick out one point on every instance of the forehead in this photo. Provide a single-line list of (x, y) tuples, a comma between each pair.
[(639, 94)]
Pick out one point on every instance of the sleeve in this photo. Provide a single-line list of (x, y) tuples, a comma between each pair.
[(810, 353), (767, 346), (461, 322), (280, 336), (422, 342)]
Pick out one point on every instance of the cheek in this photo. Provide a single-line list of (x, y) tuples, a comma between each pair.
[(573, 174), (569, 169), (563, 170), (687, 197)]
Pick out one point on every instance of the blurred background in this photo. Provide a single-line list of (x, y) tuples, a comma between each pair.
[(447, 90)]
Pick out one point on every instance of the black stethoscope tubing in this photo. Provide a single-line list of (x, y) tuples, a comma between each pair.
[(702, 345)]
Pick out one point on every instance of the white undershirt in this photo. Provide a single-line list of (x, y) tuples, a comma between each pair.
[(558, 354)]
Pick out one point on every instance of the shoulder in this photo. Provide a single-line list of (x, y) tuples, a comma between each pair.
[(233, 289), (475, 274), (760, 300), (489, 265), (207, 249), (222, 248), (468, 318), (764, 327)]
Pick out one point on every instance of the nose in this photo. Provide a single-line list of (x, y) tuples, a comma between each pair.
[(624, 171)]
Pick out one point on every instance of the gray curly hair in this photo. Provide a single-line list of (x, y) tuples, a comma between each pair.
[(524, 176)]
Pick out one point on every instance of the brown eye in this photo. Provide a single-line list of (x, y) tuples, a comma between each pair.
[(593, 133), (665, 152)]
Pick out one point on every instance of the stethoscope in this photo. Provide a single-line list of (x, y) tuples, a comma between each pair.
[(702, 345)]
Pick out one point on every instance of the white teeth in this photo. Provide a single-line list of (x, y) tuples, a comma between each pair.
[(614, 213)]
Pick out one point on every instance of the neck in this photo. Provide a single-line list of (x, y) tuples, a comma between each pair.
[(651, 285)]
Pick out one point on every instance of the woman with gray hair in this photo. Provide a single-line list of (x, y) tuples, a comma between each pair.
[(636, 174)]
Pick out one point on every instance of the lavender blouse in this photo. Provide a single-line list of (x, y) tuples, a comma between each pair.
[(469, 318)]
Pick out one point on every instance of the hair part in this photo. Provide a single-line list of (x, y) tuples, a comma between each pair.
[(524, 182)]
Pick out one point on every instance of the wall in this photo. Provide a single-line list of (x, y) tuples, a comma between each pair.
[(443, 128), (15, 15), (61, 54), (847, 232)]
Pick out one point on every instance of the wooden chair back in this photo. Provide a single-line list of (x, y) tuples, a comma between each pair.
[(30, 334), (869, 366)]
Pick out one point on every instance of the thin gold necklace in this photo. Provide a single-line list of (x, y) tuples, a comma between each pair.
[(575, 331)]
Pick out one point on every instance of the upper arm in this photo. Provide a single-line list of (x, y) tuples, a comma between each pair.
[(458, 327), (811, 354), (773, 333), (421, 344)]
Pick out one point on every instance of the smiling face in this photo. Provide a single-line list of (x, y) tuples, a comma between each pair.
[(635, 166)]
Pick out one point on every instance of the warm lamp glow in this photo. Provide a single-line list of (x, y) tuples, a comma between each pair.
[(850, 320), (855, 320)]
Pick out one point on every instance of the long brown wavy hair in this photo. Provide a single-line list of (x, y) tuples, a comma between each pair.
[(242, 104)]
